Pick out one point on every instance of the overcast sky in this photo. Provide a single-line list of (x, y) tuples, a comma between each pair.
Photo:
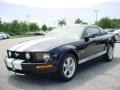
[(50, 11)]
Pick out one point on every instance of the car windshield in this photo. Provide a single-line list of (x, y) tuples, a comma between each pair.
[(66, 31)]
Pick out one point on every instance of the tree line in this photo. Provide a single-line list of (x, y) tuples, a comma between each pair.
[(108, 23), (15, 27)]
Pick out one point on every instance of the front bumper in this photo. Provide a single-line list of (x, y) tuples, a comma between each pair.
[(21, 66)]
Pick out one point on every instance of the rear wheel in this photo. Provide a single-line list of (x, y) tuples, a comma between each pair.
[(109, 54), (67, 67)]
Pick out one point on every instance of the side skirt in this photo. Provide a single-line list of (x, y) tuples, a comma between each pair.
[(92, 57)]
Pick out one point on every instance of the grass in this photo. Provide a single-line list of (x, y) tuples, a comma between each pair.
[(20, 36)]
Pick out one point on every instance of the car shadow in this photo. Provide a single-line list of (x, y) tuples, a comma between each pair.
[(85, 73)]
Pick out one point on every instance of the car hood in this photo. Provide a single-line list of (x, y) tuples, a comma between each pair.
[(43, 44)]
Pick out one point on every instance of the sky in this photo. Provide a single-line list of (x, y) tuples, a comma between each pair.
[(50, 11)]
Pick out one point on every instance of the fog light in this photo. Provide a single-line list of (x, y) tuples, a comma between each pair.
[(45, 66)]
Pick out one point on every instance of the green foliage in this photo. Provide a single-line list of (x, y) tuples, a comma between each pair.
[(44, 27), (84, 23), (1, 25), (62, 22), (50, 28), (109, 23), (23, 27), (116, 23), (16, 27), (105, 23), (33, 27), (79, 21)]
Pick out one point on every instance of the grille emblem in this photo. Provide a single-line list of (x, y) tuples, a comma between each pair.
[(16, 54)]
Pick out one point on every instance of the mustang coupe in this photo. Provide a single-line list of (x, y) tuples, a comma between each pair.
[(60, 51)]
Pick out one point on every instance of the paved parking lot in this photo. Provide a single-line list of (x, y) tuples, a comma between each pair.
[(93, 76)]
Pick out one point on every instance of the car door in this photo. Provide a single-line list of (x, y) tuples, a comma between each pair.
[(100, 40), (89, 47)]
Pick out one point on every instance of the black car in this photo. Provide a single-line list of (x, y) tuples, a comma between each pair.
[(60, 51)]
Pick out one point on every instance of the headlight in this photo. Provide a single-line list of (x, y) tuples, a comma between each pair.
[(27, 55), (9, 54), (46, 56), (42, 57)]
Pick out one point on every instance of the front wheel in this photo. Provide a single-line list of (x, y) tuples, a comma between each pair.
[(109, 54), (67, 67)]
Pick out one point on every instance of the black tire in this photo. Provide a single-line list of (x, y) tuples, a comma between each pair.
[(61, 70), (109, 54)]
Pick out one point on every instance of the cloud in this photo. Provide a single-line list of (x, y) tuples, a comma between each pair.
[(57, 3)]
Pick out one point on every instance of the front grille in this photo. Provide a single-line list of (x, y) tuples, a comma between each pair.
[(22, 56), (18, 55)]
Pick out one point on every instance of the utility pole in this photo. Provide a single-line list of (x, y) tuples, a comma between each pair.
[(28, 17), (96, 13), (0, 18)]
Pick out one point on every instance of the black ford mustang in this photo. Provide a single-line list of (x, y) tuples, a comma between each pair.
[(60, 51)]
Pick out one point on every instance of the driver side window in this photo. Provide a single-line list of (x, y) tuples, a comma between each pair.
[(91, 31)]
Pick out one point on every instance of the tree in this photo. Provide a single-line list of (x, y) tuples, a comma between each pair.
[(62, 22), (78, 21), (6, 27), (105, 23), (1, 25), (84, 23), (33, 27), (50, 28), (44, 27), (15, 27), (23, 27), (116, 23)]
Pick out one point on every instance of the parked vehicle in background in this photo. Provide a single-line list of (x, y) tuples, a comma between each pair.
[(4, 35), (110, 30), (1, 37), (117, 34)]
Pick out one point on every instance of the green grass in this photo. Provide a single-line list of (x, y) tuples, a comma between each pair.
[(20, 36)]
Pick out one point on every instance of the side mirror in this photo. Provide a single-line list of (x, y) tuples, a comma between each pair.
[(86, 39)]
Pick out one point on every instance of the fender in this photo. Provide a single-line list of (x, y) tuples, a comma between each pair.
[(111, 40), (62, 50)]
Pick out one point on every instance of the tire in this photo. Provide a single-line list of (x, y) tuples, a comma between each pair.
[(109, 54), (67, 67)]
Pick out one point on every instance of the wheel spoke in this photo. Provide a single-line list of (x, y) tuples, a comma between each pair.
[(69, 71), (68, 61), (71, 64), (65, 65), (66, 70)]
